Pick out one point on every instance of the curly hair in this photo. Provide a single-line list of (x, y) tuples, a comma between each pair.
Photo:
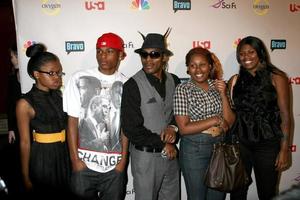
[(216, 71)]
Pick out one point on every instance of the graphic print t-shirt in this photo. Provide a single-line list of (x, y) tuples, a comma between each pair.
[(95, 99)]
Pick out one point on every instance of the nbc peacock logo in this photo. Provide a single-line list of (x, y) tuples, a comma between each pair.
[(27, 44), (236, 42), (140, 5)]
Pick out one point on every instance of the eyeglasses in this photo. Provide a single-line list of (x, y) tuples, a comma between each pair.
[(152, 54), (52, 74)]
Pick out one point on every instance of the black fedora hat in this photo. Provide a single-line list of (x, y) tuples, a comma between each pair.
[(157, 41)]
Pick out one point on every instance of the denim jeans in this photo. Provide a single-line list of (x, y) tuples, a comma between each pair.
[(89, 184), (194, 157), (261, 157)]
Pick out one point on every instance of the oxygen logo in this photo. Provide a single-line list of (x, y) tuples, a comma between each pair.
[(140, 5), (51, 7), (261, 7)]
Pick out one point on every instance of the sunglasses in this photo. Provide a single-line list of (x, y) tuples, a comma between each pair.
[(51, 73), (152, 54)]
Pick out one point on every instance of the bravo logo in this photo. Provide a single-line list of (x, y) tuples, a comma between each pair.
[(181, 5), (278, 44), (74, 46)]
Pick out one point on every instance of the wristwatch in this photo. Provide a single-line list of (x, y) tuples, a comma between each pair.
[(175, 128)]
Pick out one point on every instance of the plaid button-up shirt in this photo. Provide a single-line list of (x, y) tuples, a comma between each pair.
[(191, 100)]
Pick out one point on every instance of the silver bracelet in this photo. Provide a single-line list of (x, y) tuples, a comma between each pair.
[(175, 128)]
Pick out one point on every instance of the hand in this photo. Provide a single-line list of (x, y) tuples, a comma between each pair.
[(221, 123), (220, 86), (224, 126), (168, 135), (282, 160), (171, 151), (11, 137), (27, 183), (120, 167), (78, 165)]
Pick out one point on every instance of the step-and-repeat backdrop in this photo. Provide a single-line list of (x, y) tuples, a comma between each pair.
[(70, 28)]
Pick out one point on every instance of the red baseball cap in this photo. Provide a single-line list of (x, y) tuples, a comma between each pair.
[(111, 40)]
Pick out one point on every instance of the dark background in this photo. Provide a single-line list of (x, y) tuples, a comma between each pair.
[(7, 38)]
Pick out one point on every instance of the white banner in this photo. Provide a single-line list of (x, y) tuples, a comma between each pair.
[(70, 28)]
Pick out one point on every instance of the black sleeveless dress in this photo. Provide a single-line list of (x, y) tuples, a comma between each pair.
[(49, 167), (255, 101)]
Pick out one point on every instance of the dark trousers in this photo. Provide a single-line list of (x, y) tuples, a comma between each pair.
[(89, 184), (260, 157)]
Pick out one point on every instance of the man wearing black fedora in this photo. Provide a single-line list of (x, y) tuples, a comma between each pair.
[(148, 122)]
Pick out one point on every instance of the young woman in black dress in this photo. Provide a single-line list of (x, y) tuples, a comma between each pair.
[(42, 125)]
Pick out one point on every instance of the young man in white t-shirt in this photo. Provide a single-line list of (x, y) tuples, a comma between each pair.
[(98, 163)]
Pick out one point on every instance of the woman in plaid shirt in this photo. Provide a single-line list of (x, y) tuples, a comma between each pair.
[(202, 112)]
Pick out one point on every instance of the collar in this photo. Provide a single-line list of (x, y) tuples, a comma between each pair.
[(154, 80)]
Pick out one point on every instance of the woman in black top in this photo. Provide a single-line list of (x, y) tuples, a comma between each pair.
[(262, 104), (42, 124)]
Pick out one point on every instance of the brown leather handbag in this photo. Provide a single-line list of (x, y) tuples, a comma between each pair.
[(226, 171)]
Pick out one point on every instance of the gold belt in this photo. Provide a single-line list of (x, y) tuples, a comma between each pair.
[(49, 137), (213, 131)]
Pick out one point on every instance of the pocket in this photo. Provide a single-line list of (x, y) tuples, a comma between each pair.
[(80, 182)]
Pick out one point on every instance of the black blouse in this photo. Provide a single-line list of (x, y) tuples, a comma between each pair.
[(255, 100), (49, 115)]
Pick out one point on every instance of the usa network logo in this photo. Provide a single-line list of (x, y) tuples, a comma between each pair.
[(140, 5), (94, 5), (294, 7), (204, 44), (294, 80)]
